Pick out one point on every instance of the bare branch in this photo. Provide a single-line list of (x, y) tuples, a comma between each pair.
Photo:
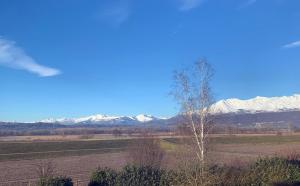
[(193, 93)]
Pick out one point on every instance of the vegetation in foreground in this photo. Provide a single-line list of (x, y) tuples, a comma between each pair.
[(276, 171), (265, 171), (56, 181)]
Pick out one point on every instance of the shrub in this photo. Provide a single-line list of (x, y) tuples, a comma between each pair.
[(104, 177), (132, 175), (146, 151), (265, 171), (274, 170), (56, 181), (228, 175), (171, 177)]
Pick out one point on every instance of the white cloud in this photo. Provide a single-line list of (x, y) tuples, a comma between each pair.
[(250, 2), (292, 45), (15, 57), (186, 5), (247, 3), (116, 13)]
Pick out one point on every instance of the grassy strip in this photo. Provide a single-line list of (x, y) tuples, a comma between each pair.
[(33, 150), (231, 139), (54, 154), (17, 147), (36, 150)]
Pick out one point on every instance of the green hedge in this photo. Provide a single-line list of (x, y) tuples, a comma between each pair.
[(264, 172), (131, 176), (104, 177), (56, 181), (268, 171)]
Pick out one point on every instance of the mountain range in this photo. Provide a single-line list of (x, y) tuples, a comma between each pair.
[(259, 111), (105, 120), (258, 105)]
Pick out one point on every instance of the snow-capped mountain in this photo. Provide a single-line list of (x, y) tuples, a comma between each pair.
[(273, 111), (104, 119), (145, 118), (258, 105)]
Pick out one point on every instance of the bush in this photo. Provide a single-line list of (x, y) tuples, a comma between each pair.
[(270, 171), (132, 175), (56, 181), (146, 151), (171, 177), (265, 171), (104, 177)]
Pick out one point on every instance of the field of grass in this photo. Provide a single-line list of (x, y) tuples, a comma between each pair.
[(34, 150), (273, 139), (249, 139), (11, 150), (78, 158)]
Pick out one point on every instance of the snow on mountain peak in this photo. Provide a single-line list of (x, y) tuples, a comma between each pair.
[(234, 105), (95, 118), (144, 118), (258, 104)]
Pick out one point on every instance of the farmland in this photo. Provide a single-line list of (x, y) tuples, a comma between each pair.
[(34, 150), (78, 158)]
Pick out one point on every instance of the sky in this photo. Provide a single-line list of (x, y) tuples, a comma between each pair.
[(73, 58)]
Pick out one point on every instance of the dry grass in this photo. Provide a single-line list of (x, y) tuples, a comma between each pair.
[(236, 151), (78, 167), (78, 137)]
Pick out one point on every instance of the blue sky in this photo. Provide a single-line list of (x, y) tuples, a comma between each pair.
[(75, 58)]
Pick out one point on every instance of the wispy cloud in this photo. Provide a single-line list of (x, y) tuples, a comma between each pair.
[(116, 13), (186, 5), (248, 3), (15, 57), (177, 29), (292, 45)]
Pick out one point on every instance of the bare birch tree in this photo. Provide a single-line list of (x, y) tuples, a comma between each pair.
[(193, 93)]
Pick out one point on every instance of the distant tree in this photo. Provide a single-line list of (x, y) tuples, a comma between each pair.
[(117, 132), (278, 133), (183, 130), (130, 132), (291, 128)]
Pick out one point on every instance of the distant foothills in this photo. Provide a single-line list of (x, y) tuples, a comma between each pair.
[(259, 112)]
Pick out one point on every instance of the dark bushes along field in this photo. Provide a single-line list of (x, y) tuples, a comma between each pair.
[(265, 171), (56, 181), (273, 171)]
